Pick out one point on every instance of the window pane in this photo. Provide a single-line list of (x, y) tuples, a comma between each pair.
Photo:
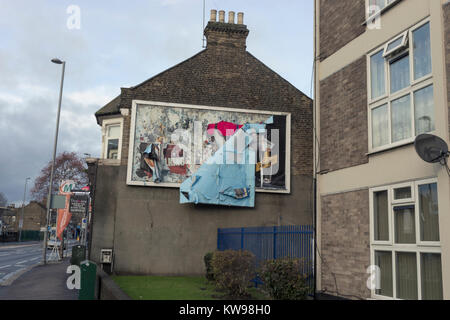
[(384, 261), (394, 44), (424, 110), (406, 274), (405, 226), (113, 131), (422, 51), (402, 193), (401, 119), (376, 3), (377, 75), (428, 212), (381, 219), (380, 126), (431, 270), (113, 149), (399, 73)]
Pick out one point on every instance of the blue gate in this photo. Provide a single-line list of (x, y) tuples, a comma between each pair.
[(268, 243)]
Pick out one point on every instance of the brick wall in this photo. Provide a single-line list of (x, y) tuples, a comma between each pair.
[(340, 22), (345, 244), (225, 76), (343, 118), (446, 9)]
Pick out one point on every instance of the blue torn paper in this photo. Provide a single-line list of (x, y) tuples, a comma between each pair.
[(228, 177)]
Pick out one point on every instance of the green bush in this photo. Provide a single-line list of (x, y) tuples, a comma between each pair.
[(233, 271), (209, 270), (284, 280)]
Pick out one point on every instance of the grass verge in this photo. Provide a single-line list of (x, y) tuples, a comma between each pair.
[(173, 288)]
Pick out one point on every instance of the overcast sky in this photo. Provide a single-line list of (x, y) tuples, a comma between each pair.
[(119, 44)]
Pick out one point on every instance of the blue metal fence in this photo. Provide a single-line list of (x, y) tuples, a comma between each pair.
[(268, 243)]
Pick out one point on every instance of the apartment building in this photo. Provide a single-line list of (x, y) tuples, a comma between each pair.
[(382, 69)]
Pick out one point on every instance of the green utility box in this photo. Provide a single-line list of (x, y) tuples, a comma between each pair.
[(78, 255), (88, 280)]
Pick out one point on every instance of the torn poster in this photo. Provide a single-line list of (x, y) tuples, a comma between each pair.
[(228, 177)]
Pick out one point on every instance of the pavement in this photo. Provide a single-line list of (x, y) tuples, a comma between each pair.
[(43, 282), (24, 277), (18, 257)]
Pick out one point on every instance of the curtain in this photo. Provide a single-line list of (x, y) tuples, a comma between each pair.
[(381, 219), (399, 74), (424, 110), (377, 75), (406, 275), (383, 260), (428, 212), (422, 51), (431, 270), (380, 126), (401, 118), (405, 225)]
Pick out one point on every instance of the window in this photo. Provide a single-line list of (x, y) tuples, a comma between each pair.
[(375, 6), (112, 132), (401, 103), (405, 241)]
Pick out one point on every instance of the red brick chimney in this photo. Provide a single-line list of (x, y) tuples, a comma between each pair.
[(229, 34)]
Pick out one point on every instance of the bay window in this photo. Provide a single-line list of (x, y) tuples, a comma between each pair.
[(112, 138), (405, 242), (401, 97)]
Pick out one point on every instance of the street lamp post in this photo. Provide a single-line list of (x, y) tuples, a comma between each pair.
[(23, 208), (57, 61)]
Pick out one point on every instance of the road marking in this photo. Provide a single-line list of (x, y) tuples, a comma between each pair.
[(21, 262), (35, 258), (4, 254), (5, 266)]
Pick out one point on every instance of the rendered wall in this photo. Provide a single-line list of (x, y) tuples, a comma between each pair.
[(153, 234)]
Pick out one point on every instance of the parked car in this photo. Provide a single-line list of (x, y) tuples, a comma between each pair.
[(55, 242)]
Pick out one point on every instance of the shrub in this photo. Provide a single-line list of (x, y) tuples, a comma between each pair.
[(233, 271), (283, 279), (209, 270)]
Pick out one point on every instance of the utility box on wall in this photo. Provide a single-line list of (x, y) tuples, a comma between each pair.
[(106, 259)]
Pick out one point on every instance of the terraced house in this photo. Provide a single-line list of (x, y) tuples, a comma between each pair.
[(382, 78)]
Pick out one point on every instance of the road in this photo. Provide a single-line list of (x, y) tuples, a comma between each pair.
[(16, 257)]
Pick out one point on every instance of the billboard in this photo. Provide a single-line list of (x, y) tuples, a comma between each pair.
[(170, 142)]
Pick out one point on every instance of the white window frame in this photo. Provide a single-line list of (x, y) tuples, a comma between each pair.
[(387, 4), (390, 246), (388, 98), (105, 124), (402, 45)]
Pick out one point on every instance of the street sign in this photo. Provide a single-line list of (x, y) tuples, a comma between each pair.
[(84, 222), (58, 202), (78, 204), (66, 186)]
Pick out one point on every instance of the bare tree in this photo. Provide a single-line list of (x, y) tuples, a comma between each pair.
[(68, 166)]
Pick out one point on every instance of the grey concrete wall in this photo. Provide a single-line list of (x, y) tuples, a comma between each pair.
[(154, 234)]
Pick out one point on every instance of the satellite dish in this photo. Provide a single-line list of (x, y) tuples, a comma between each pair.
[(431, 149)]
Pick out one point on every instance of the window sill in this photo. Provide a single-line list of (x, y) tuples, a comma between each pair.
[(381, 12), (390, 148), (109, 162)]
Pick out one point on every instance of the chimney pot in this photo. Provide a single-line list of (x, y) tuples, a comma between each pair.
[(240, 18), (213, 16), (221, 16), (231, 17)]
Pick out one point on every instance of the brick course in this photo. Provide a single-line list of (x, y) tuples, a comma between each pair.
[(343, 118), (340, 22), (446, 9), (345, 244)]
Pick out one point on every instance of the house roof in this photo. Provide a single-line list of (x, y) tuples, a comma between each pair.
[(111, 108)]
